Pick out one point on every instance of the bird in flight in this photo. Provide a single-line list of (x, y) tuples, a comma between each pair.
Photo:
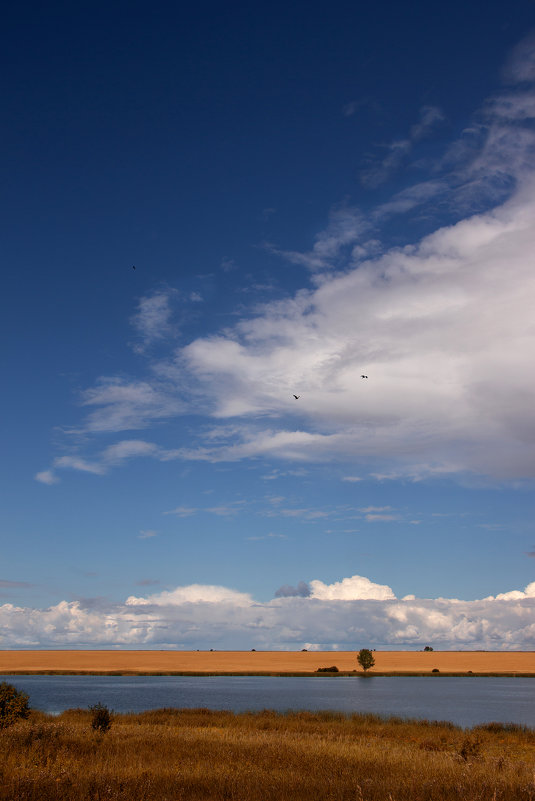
[(364, 376), (133, 266), (297, 397)]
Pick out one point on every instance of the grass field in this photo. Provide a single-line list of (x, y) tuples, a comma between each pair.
[(167, 755), (264, 661)]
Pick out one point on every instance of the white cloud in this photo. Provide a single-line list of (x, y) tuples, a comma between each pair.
[(121, 405), (346, 614), (46, 477), (76, 463), (152, 319), (193, 594), (226, 510), (147, 534), (444, 329), (521, 65), (182, 511), (514, 595), (128, 449), (307, 514), (111, 456), (351, 589)]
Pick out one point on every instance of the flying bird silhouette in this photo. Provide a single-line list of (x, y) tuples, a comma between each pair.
[(297, 397), (133, 266), (364, 376)]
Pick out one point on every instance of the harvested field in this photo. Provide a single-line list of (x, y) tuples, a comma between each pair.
[(485, 662)]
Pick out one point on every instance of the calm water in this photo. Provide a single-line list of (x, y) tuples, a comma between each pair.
[(465, 701)]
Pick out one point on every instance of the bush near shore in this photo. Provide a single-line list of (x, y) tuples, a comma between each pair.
[(167, 755)]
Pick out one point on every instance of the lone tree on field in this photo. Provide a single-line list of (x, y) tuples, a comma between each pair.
[(13, 705), (366, 659)]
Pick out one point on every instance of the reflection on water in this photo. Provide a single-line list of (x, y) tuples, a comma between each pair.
[(465, 701)]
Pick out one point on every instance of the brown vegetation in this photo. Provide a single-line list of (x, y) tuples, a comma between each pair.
[(167, 755), (265, 661)]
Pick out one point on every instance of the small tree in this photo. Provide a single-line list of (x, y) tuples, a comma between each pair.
[(428, 648), (101, 720), (13, 705), (366, 659)]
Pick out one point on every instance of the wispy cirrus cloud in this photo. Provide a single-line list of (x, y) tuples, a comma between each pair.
[(520, 66), (152, 319), (121, 405), (112, 456), (8, 584), (346, 227), (306, 514), (375, 514), (182, 511), (397, 151), (147, 534), (76, 463)]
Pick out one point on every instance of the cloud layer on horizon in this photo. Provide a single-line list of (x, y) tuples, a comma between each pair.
[(348, 614)]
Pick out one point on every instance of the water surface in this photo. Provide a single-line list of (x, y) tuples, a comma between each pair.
[(464, 701)]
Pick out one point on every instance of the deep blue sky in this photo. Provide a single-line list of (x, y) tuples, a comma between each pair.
[(308, 193)]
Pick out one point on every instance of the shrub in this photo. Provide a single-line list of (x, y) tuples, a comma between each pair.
[(428, 648), (366, 659), (101, 718), (13, 705), (435, 670), (470, 749), (332, 669)]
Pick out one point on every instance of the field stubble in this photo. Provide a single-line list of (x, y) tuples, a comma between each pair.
[(166, 755)]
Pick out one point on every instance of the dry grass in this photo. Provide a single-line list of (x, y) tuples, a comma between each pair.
[(264, 661), (168, 755)]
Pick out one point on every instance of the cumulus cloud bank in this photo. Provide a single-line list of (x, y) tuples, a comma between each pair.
[(350, 613)]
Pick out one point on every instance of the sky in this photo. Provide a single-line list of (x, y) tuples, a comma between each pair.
[(309, 194)]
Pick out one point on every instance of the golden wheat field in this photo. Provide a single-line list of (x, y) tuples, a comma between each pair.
[(265, 661), (167, 755)]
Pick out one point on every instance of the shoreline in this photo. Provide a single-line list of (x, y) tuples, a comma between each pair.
[(297, 675), (265, 663)]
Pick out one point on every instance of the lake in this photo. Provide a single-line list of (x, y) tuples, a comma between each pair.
[(464, 701)]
